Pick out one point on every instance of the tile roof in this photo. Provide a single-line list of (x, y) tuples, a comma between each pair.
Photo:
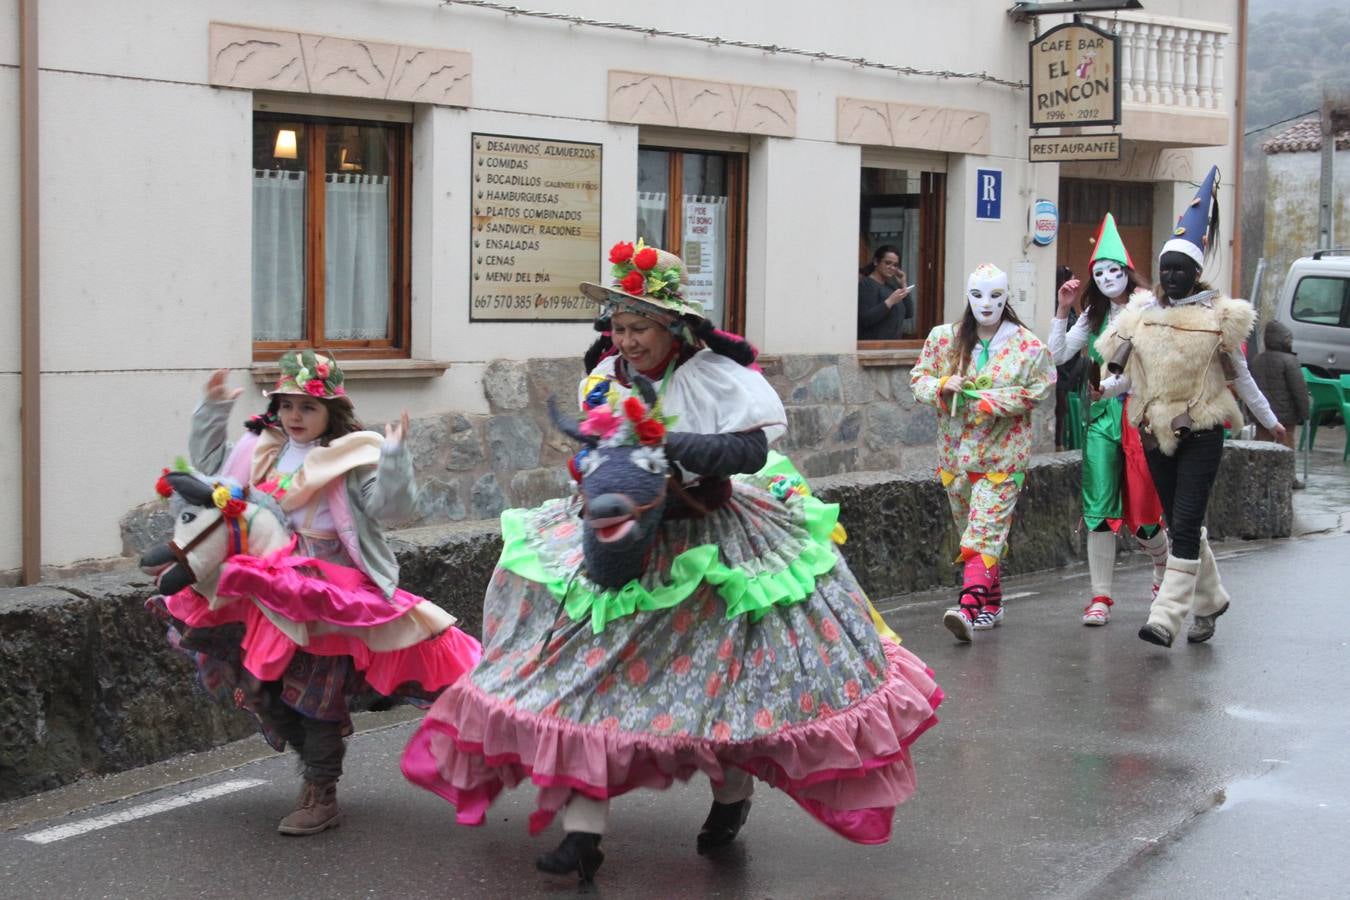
[(1304, 135)]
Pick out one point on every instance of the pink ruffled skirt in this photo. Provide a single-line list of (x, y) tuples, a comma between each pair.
[(291, 604)]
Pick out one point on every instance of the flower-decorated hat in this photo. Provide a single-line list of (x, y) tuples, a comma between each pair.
[(306, 372), (647, 280)]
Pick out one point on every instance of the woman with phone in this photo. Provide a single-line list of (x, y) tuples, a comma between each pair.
[(883, 297)]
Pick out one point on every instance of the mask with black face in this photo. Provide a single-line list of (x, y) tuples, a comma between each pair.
[(1178, 274)]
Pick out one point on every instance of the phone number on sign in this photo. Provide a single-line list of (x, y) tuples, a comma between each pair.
[(539, 301)]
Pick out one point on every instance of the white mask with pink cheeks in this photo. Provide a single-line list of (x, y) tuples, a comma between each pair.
[(987, 293), (1110, 277)]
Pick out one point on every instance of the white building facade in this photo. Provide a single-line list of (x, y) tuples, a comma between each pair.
[(182, 147)]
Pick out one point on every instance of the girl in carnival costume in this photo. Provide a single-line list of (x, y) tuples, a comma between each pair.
[(1116, 485), (1177, 353), (324, 623), (985, 375), (732, 641)]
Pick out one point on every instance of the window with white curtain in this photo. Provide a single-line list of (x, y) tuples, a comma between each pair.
[(330, 235)]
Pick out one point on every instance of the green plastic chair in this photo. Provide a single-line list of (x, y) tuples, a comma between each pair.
[(1325, 394), (1345, 414)]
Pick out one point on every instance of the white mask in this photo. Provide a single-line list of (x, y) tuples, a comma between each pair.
[(987, 293), (1110, 277)]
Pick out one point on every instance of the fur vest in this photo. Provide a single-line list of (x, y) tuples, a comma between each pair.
[(1175, 365)]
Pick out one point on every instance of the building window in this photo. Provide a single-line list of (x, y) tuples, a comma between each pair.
[(1083, 203), (330, 236), (692, 203), (903, 209)]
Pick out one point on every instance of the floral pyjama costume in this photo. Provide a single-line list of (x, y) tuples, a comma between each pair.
[(984, 434)]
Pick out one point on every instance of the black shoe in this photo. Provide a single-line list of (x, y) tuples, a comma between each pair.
[(579, 852), (723, 824), (1156, 634)]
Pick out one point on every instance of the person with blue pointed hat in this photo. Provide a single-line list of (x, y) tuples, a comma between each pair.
[(1177, 353), (1117, 488)]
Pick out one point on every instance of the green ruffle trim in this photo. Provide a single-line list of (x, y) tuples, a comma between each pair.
[(745, 593)]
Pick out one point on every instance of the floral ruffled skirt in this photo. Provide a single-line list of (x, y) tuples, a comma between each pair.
[(747, 644)]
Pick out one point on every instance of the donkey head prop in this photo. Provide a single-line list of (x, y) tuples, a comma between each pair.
[(213, 519), (622, 473)]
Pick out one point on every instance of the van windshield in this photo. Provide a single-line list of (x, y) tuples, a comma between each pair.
[(1322, 301)]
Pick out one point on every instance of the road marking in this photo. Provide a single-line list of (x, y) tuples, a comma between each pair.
[(74, 829)]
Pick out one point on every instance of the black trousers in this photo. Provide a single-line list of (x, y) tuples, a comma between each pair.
[(1183, 481), (320, 744)]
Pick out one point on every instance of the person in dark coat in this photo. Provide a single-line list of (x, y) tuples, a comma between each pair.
[(883, 297), (1280, 377)]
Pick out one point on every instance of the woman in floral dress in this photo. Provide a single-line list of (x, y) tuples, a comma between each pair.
[(744, 650), (985, 375)]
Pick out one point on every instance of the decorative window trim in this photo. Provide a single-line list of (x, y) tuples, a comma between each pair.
[(266, 59), (642, 98), (943, 129)]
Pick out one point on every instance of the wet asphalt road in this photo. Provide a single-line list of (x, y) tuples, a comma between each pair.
[(1070, 762)]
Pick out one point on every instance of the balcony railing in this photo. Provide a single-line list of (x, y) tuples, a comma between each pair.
[(1169, 63)]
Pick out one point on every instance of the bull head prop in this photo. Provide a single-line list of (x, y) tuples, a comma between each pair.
[(622, 475)]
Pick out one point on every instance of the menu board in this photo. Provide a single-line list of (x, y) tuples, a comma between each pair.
[(536, 228)]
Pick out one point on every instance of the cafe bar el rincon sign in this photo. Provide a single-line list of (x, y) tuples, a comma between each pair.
[(1075, 81), (536, 228)]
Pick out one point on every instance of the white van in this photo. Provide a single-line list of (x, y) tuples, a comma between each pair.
[(1315, 304)]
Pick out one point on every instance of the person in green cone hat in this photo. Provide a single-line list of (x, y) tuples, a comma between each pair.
[(1117, 489)]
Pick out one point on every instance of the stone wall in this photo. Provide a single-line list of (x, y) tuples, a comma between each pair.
[(91, 687), (842, 417)]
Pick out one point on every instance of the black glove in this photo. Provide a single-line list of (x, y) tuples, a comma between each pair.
[(718, 455)]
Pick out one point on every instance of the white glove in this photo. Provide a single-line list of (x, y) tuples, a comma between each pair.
[(1115, 385)]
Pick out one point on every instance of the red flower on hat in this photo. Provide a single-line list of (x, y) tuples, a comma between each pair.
[(650, 431), (634, 409), (314, 387), (645, 259), (321, 370), (633, 283), (233, 508), (162, 486), (621, 253)]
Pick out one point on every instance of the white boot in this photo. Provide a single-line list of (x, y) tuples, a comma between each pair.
[(1173, 602), (1211, 600)]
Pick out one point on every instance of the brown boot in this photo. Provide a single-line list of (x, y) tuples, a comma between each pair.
[(316, 809)]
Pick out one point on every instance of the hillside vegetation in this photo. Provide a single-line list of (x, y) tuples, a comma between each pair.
[(1296, 48)]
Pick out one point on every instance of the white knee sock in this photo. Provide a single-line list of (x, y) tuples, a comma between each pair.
[(584, 814), (737, 785), (1101, 554), (1156, 548)]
